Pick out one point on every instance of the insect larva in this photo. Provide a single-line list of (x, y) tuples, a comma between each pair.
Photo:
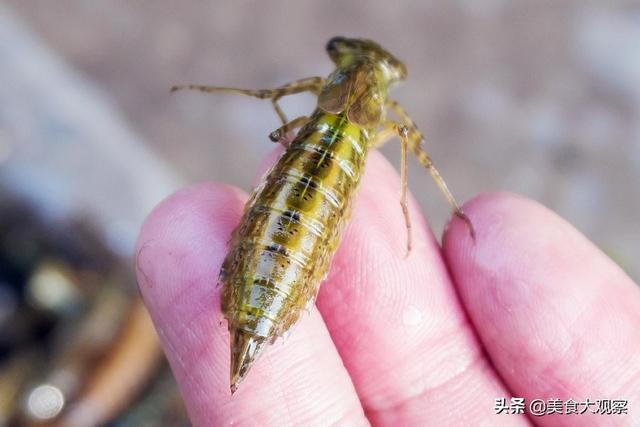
[(292, 224)]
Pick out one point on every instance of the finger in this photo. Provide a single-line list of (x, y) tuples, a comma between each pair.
[(557, 317), (179, 253), (397, 321)]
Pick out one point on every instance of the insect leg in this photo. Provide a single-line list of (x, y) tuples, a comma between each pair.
[(388, 131), (309, 84), (404, 144), (279, 135), (415, 142), (278, 110)]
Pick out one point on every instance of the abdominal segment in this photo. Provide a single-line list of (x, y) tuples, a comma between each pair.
[(290, 229)]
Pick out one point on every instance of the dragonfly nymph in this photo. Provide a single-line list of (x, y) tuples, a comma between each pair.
[(292, 224)]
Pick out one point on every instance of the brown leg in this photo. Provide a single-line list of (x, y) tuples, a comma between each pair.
[(280, 134), (404, 164), (389, 130), (309, 84), (415, 142)]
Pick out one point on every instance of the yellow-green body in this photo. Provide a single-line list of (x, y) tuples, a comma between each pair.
[(292, 224), (291, 227)]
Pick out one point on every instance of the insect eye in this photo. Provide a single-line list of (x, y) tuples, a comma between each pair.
[(332, 45)]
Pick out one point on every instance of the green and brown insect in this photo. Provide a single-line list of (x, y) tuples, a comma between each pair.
[(292, 224)]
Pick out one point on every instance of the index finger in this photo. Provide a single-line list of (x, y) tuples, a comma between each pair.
[(179, 253)]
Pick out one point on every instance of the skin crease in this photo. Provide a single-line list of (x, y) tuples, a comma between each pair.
[(531, 309)]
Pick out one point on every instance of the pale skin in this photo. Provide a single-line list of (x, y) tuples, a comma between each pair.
[(529, 309)]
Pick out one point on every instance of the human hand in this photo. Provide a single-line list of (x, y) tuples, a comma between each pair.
[(531, 309)]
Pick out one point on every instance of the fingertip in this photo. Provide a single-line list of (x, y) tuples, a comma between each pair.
[(189, 201), (482, 211), (185, 229), (179, 253), (532, 277), (509, 227)]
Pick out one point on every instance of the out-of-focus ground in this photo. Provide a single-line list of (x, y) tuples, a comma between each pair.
[(537, 97)]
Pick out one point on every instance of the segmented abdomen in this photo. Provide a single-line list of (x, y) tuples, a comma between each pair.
[(282, 248)]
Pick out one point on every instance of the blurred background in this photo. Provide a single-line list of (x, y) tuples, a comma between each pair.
[(536, 97)]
